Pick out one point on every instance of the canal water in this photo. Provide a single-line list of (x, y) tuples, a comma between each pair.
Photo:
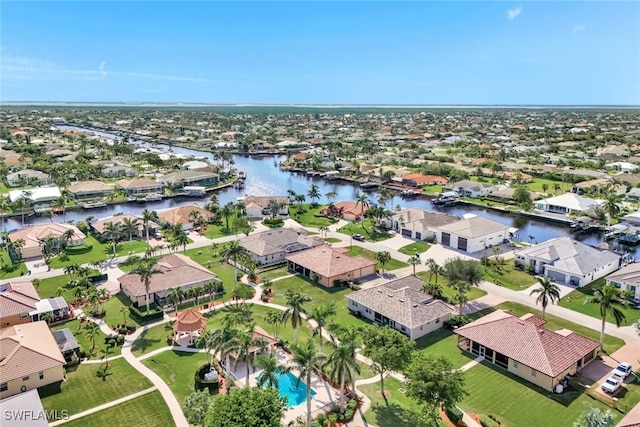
[(264, 178)]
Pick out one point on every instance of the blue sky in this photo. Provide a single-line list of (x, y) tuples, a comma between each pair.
[(322, 52)]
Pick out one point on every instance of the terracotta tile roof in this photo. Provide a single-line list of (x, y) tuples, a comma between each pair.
[(101, 224), (350, 206), (17, 297), (279, 240), (190, 320), (182, 214), (26, 349), (33, 235), (263, 201), (525, 340), (89, 186), (138, 183), (329, 262), (419, 179)]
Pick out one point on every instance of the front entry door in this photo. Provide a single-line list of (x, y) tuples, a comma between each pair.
[(482, 351)]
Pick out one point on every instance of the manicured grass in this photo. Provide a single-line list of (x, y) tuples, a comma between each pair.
[(80, 333), (98, 252), (274, 274), (393, 264), (115, 317), (508, 276), (148, 410), (310, 217), (432, 189), (364, 228), (474, 293), (176, 368), (83, 389), (537, 183), (213, 231), (18, 270), (576, 300), (366, 371), (445, 343), (518, 403), (414, 248), (49, 286), (152, 339), (332, 240), (611, 344)]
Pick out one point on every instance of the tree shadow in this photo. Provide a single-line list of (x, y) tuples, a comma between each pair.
[(393, 414)]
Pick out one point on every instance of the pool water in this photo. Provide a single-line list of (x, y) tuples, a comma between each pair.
[(294, 391)]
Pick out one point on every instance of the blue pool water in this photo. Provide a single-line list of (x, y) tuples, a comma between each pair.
[(294, 391)]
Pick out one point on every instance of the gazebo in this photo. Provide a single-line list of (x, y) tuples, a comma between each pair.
[(190, 322)]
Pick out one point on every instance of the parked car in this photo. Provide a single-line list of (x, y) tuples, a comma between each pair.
[(358, 237), (622, 371), (611, 384)]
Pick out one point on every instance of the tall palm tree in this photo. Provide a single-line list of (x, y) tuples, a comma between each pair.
[(273, 317), (460, 297), (308, 361), (342, 365), (556, 188), (23, 202), (383, 257), (295, 310), (220, 341), (271, 370), (314, 193), (609, 299), (244, 345), (113, 233), (207, 342), (233, 251), (612, 206), (125, 310), (321, 314), (175, 296), (548, 292), (4, 206), (413, 261), (363, 200), (130, 226), (147, 217), (181, 239), (433, 267), (227, 211), (146, 269), (92, 332)]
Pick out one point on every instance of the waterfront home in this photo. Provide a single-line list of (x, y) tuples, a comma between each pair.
[(627, 279), (119, 171), (330, 265), (25, 403), (417, 223), (258, 206), (42, 195), (30, 358), (632, 218), (34, 237), (622, 166), (100, 226), (471, 189), (568, 261), (401, 305), (28, 177), (185, 215), (184, 178), (272, 246), (348, 210), (524, 347), (419, 180), (139, 186), (567, 203), (17, 299), (67, 344), (177, 271), (595, 184), (472, 234), (88, 190)]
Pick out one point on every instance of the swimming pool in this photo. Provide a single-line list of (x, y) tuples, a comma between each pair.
[(294, 391)]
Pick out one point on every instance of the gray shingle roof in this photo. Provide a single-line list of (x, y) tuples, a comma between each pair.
[(275, 241)]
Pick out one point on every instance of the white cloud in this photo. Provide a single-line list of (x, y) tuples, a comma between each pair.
[(580, 27), (513, 13)]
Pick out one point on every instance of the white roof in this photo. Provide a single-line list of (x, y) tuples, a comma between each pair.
[(623, 165), (571, 201), (36, 193), (27, 403)]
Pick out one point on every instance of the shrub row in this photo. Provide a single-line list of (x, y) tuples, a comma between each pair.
[(77, 250), (336, 417), (153, 313), (454, 414), (201, 383), (488, 421)]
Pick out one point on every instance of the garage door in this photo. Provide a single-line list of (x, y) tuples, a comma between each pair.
[(406, 233), (462, 244), (446, 239)]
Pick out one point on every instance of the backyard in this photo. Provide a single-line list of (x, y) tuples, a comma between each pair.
[(80, 334), (508, 276), (393, 264), (310, 217), (364, 228), (176, 368), (474, 293), (49, 286), (94, 251), (9, 269)]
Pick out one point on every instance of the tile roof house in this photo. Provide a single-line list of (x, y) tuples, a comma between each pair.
[(402, 305), (419, 180), (29, 358), (417, 223), (139, 186), (177, 271), (631, 419), (627, 279), (100, 225), (17, 299), (330, 264), (84, 190), (183, 215), (34, 235), (348, 210), (471, 188), (28, 177), (568, 261), (118, 171), (257, 206), (472, 234), (190, 177), (272, 246), (524, 347)]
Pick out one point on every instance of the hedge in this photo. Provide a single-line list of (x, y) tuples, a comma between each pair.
[(201, 383), (77, 250), (153, 314), (454, 414), (487, 421)]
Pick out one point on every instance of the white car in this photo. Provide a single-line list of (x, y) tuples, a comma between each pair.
[(622, 371), (611, 385)]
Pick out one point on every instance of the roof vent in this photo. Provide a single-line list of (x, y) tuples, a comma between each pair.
[(521, 322), (401, 300), (415, 305), (390, 295)]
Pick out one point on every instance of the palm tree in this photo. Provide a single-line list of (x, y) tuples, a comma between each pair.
[(61, 203), (175, 296), (323, 230), (321, 314), (384, 194), (207, 342), (294, 302), (4, 206), (363, 200), (146, 269), (113, 233), (181, 239), (342, 364), (244, 344), (129, 226), (556, 188), (609, 299), (125, 310), (413, 261), (17, 245), (314, 193), (274, 207), (92, 332), (105, 352), (46, 316), (23, 202), (460, 297), (612, 206), (545, 187), (383, 257), (331, 195), (226, 212), (233, 251), (271, 370), (273, 317), (547, 292), (308, 362), (434, 289), (220, 341), (147, 217)]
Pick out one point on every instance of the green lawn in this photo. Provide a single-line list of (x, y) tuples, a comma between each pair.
[(176, 368), (49, 286), (115, 317), (148, 410), (518, 403), (432, 189), (274, 274), (99, 251), (332, 240), (17, 270), (537, 183), (83, 389), (576, 300), (509, 277), (152, 339), (611, 344), (364, 228), (213, 231), (310, 217), (444, 342), (474, 293), (393, 264), (80, 333), (414, 248)]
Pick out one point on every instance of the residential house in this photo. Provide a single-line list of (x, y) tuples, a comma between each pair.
[(567, 203), (272, 246), (34, 237), (177, 271), (524, 347), (627, 279), (258, 206), (568, 261), (17, 299), (348, 210), (622, 166), (27, 408), (88, 190), (471, 188), (41, 195), (28, 177), (100, 226), (119, 171), (402, 305), (419, 180), (330, 264), (185, 215), (30, 358), (67, 344), (57, 306), (417, 223), (180, 179), (472, 234), (597, 184), (139, 186)]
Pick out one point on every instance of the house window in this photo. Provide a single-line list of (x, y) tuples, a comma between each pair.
[(402, 328), (437, 320), (515, 364), (23, 315), (355, 304), (4, 387), (533, 372), (41, 375), (25, 378)]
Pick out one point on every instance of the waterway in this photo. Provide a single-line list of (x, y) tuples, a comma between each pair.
[(264, 178)]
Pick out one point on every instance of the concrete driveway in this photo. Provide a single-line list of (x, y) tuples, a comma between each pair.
[(600, 370)]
